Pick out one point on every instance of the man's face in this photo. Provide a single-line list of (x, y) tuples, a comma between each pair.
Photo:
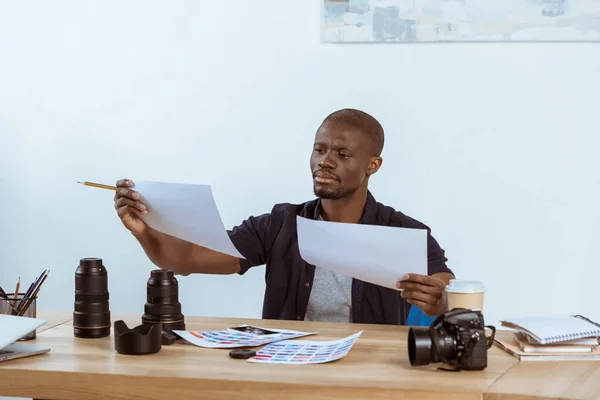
[(341, 160)]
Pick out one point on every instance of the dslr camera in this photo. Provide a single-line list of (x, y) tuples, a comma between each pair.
[(456, 338)]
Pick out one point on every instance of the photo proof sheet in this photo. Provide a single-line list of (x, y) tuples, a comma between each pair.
[(242, 336), (305, 351)]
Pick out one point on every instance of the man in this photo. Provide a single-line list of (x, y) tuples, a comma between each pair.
[(346, 153)]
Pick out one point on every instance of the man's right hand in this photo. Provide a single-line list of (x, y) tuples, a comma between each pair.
[(129, 207), (167, 251)]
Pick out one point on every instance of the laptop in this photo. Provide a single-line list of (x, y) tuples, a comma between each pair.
[(12, 328)]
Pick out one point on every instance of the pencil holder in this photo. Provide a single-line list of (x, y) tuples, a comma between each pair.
[(21, 305), (143, 339)]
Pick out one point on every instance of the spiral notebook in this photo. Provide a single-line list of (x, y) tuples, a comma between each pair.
[(554, 329), (507, 341)]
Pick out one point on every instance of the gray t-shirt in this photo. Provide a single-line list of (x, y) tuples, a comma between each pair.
[(330, 297)]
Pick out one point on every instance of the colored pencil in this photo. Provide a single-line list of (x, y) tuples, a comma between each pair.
[(32, 287), (5, 296), (33, 295), (16, 296)]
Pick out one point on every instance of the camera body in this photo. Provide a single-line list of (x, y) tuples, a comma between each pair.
[(456, 338)]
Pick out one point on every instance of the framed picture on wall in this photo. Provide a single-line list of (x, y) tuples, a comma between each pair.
[(407, 21)]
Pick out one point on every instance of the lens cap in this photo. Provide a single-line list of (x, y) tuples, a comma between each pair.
[(242, 353)]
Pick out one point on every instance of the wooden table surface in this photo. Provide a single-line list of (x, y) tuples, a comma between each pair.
[(377, 367), (548, 380), (53, 318)]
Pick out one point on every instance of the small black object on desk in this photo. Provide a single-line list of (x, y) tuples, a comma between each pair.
[(143, 339), (242, 353), (168, 338)]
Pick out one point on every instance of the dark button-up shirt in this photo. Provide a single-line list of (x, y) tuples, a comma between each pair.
[(270, 239)]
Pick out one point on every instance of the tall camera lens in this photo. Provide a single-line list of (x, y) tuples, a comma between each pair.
[(162, 302), (421, 350), (91, 314)]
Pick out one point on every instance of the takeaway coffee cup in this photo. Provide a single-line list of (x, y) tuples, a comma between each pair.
[(465, 294)]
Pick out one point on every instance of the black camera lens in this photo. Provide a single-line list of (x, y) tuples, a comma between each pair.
[(419, 346), (162, 301), (421, 350), (91, 314)]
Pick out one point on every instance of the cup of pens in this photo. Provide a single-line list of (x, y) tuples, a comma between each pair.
[(21, 305)]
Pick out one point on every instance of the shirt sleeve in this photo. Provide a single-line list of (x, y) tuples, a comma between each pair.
[(251, 239), (436, 257)]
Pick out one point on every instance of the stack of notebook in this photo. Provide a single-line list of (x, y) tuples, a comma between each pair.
[(550, 338)]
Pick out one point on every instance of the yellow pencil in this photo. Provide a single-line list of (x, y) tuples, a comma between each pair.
[(98, 185), (16, 294)]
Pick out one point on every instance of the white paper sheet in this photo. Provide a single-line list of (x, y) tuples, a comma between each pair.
[(186, 211), (377, 254)]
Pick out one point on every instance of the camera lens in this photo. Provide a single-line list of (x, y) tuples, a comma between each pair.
[(421, 350), (162, 301), (419, 346), (91, 314)]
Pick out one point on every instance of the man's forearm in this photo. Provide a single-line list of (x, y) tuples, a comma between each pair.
[(165, 251), (168, 252)]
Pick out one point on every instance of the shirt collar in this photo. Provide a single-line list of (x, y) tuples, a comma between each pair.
[(369, 216)]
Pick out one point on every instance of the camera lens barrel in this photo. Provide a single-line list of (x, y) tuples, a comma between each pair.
[(420, 351), (91, 313), (162, 301)]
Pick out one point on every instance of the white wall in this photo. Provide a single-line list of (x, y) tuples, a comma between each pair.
[(492, 145)]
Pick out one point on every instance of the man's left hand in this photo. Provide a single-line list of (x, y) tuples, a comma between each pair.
[(425, 292)]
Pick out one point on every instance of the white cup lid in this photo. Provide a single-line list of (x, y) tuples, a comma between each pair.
[(459, 286)]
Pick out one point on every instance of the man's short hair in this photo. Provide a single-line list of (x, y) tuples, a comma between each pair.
[(364, 122)]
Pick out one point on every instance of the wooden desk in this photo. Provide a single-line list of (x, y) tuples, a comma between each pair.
[(377, 367), (53, 318), (545, 380)]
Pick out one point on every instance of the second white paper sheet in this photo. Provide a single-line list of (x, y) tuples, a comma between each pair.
[(186, 211), (377, 254)]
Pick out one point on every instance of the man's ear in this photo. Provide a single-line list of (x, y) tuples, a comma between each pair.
[(374, 165)]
